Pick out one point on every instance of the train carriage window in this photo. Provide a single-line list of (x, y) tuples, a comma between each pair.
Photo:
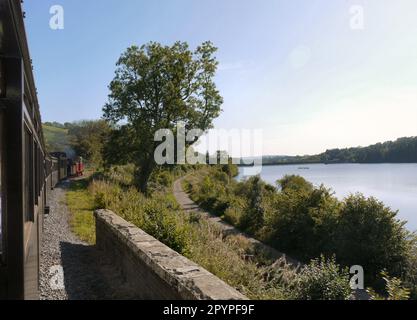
[(28, 179), (2, 188)]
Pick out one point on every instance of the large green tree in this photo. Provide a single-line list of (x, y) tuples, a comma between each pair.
[(87, 138), (156, 87)]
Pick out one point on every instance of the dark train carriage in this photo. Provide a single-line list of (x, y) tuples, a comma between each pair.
[(62, 159), (55, 172), (22, 161), (51, 174)]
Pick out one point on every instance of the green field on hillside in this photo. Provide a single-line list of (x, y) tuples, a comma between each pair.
[(56, 139)]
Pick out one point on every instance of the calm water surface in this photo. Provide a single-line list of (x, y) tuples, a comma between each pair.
[(394, 184)]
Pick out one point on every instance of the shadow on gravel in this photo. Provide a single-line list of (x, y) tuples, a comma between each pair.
[(89, 275), (82, 276)]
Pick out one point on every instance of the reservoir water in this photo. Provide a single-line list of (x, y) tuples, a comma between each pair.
[(393, 184)]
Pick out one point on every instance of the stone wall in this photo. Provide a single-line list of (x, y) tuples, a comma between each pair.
[(151, 269)]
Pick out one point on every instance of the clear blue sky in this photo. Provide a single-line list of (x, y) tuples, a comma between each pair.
[(294, 68)]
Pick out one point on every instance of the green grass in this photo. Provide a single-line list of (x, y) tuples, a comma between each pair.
[(55, 129), (81, 204), (192, 236)]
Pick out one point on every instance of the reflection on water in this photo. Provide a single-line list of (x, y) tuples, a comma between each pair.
[(394, 184)]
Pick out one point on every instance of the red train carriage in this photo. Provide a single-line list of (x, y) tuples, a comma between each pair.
[(75, 167), (80, 167)]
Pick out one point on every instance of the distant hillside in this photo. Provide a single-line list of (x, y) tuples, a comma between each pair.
[(56, 139), (403, 150), (272, 160)]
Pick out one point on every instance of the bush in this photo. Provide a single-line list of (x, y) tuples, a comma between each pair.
[(231, 170), (233, 214), (165, 225), (302, 222), (226, 258), (156, 215), (121, 175), (394, 289), (212, 196), (161, 179), (296, 183), (306, 221), (221, 177), (410, 272), (258, 195), (322, 279), (104, 193), (368, 234)]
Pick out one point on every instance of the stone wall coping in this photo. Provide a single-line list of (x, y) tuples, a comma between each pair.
[(190, 280)]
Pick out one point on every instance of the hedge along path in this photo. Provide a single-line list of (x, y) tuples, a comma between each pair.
[(189, 206)]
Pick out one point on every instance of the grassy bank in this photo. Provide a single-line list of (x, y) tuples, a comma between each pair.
[(195, 238), (81, 204), (160, 216), (233, 259)]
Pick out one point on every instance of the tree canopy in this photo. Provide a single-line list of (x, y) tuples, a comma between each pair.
[(87, 138), (156, 87)]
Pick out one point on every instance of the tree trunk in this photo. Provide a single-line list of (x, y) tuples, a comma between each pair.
[(142, 175)]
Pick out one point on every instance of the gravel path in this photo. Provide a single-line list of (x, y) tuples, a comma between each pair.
[(190, 206), (71, 269)]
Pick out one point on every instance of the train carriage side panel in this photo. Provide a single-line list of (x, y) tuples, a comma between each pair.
[(23, 151)]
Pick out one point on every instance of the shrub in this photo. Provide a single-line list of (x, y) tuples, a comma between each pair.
[(293, 182), (302, 222), (368, 234), (122, 175), (161, 179), (231, 170), (221, 176), (165, 226), (226, 259), (306, 221), (233, 214), (410, 272), (394, 289), (212, 196), (258, 195), (104, 193), (156, 215), (322, 279)]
